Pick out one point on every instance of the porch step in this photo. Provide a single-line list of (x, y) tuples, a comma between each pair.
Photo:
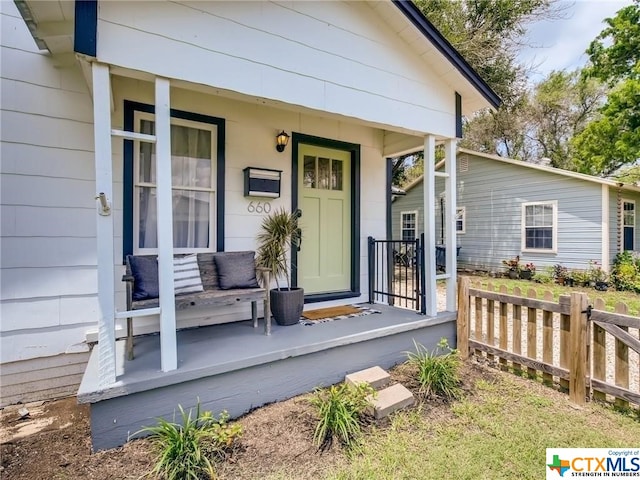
[(390, 399), (374, 376), (387, 400)]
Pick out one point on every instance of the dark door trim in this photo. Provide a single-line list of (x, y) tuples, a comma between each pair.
[(354, 150)]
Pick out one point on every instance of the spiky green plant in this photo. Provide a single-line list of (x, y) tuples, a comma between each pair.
[(278, 233), (340, 409), (182, 448), (438, 370)]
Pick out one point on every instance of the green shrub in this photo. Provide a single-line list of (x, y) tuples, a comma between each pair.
[(183, 449), (223, 436), (340, 409), (625, 273), (438, 371)]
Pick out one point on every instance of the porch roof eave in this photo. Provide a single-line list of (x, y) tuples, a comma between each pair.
[(398, 139)]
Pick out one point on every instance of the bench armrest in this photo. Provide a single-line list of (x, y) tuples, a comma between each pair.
[(127, 278)]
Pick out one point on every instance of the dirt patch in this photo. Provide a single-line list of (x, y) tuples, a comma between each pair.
[(54, 441)]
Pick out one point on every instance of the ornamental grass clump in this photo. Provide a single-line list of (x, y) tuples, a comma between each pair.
[(438, 370), (184, 450), (340, 409)]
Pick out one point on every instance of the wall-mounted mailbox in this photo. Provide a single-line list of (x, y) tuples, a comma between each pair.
[(261, 182)]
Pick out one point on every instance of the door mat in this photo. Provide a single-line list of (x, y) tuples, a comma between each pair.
[(322, 315), (330, 312)]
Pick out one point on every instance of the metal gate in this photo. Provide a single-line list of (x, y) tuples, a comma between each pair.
[(396, 273)]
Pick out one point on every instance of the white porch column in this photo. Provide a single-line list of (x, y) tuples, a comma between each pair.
[(104, 224), (168, 345), (450, 221), (429, 251)]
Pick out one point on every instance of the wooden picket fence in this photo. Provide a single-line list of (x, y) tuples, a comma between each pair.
[(580, 346)]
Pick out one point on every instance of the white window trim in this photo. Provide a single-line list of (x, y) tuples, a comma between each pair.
[(136, 183), (409, 212), (523, 239), (635, 219), (463, 211)]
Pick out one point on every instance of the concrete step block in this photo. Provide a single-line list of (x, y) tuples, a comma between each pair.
[(391, 399), (374, 376)]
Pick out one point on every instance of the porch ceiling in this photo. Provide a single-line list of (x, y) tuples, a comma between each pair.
[(396, 141)]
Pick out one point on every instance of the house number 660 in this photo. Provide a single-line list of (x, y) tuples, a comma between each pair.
[(259, 207)]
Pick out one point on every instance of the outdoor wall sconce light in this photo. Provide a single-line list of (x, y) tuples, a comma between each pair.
[(281, 141)]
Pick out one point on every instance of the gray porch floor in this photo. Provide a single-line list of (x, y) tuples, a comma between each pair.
[(218, 349)]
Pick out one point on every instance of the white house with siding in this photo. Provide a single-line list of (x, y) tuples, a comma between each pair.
[(543, 214), (161, 106)]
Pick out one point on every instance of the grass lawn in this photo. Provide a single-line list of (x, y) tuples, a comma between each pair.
[(611, 297), (499, 431)]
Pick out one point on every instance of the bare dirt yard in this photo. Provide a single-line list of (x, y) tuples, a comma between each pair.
[(53, 442)]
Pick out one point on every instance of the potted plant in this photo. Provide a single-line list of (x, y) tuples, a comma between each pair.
[(279, 233), (597, 276), (513, 267), (561, 275), (528, 271)]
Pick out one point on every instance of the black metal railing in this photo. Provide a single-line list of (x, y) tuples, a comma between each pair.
[(396, 273)]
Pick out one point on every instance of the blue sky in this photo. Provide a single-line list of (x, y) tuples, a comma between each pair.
[(561, 43)]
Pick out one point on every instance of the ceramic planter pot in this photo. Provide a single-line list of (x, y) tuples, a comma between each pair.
[(602, 286), (526, 274), (513, 274), (287, 305)]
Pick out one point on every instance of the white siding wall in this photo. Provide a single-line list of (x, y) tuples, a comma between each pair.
[(48, 255), (493, 192), (250, 141), (338, 57)]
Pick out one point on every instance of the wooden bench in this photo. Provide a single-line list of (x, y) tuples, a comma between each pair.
[(212, 295)]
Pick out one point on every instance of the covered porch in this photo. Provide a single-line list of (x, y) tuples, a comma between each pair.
[(234, 367)]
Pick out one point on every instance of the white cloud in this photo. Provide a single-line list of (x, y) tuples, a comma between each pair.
[(560, 44)]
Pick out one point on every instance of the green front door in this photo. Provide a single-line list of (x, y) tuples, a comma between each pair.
[(324, 260)]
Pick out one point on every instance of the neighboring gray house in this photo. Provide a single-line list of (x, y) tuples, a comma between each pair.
[(545, 215)]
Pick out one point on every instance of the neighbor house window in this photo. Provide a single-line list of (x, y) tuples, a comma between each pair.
[(460, 220), (628, 224), (409, 225), (193, 173), (539, 226)]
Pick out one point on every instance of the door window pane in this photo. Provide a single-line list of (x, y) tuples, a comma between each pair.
[(336, 175), (324, 173), (309, 174)]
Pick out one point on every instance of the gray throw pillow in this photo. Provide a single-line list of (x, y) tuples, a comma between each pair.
[(145, 277), (236, 271)]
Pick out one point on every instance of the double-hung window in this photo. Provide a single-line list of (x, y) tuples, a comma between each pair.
[(409, 225), (193, 174), (628, 224), (461, 220), (540, 226)]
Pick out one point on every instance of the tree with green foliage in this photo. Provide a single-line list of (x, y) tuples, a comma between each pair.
[(561, 106), (613, 140), (488, 34)]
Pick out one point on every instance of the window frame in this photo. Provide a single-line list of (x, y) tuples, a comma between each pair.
[(131, 108), (463, 212), (623, 225), (417, 230), (137, 250), (554, 226)]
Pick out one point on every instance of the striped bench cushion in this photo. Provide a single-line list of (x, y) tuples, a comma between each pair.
[(187, 274)]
